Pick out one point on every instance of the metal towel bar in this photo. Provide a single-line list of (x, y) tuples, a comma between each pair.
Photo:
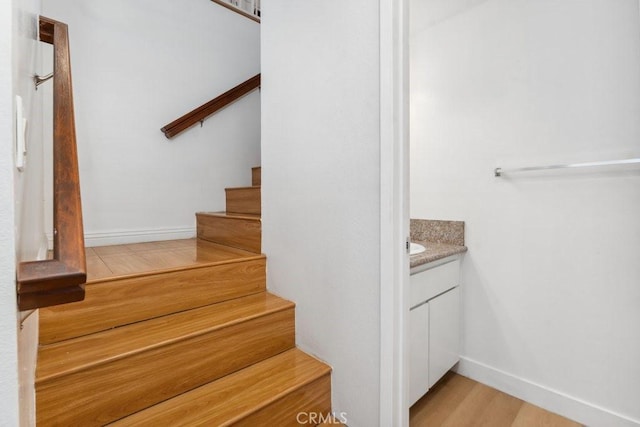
[(500, 171)]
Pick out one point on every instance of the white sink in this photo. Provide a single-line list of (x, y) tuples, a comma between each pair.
[(416, 248)]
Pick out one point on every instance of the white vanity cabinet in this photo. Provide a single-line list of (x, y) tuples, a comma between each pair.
[(418, 351), (434, 323), (444, 336)]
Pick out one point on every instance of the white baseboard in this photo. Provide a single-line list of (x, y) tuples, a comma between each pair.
[(121, 237), (539, 395)]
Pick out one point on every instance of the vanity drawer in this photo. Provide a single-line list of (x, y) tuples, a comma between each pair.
[(434, 281)]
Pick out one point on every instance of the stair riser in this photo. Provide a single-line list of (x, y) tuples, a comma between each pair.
[(119, 302), (295, 409), (107, 392), (270, 393), (256, 176), (243, 200), (238, 233)]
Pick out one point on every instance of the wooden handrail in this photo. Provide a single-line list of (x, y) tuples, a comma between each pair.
[(61, 279), (205, 110), (237, 10)]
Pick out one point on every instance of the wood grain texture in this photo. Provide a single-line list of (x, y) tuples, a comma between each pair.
[(96, 268), (256, 176), (533, 416), (456, 401), (442, 399), (117, 385), (239, 231), (271, 392), (243, 200), (81, 353), (202, 112), (501, 411), (60, 296), (143, 262), (61, 279), (311, 398), (145, 257), (119, 301), (47, 29), (472, 407), (333, 422)]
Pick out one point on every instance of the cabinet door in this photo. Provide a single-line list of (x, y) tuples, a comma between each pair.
[(444, 334), (418, 352), (433, 281)]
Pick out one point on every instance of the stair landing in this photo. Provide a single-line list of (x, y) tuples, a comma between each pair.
[(105, 262)]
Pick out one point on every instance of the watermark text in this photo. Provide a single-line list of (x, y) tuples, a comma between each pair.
[(315, 418)]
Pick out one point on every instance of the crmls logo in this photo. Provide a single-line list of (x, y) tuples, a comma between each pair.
[(315, 418)]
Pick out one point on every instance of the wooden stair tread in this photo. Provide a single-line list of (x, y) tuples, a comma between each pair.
[(77, 354), (235, 396), (133, 260)]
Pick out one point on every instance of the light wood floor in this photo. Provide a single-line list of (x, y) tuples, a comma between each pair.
[(118, 260), (457, 401)]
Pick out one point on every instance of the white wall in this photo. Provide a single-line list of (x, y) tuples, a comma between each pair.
[(321, 186), (136, 67), (9, 406), (550, 282), (21, 213), (31, 241), (29, 185)]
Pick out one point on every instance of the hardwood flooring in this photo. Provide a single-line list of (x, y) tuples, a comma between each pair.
[(131, 283), (290, 383), (119, 260), (456, 401)]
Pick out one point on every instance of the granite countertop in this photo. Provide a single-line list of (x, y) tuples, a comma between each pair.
[(441, 238), (434, 252)]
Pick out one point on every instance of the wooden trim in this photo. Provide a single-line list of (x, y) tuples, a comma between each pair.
[(47, 29), (237, 10), (211, 107), (61, 279)]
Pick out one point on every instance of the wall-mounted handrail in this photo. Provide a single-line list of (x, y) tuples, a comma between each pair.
[(61, 279), (38, 80), (499, 171), (237, 9), (202, 112)]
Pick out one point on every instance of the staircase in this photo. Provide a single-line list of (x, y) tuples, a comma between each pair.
[(165, 341)]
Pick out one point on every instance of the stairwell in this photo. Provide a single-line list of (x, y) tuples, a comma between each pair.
[(180, 342)]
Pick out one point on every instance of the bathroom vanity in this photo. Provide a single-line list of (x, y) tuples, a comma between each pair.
[(434, 316)]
